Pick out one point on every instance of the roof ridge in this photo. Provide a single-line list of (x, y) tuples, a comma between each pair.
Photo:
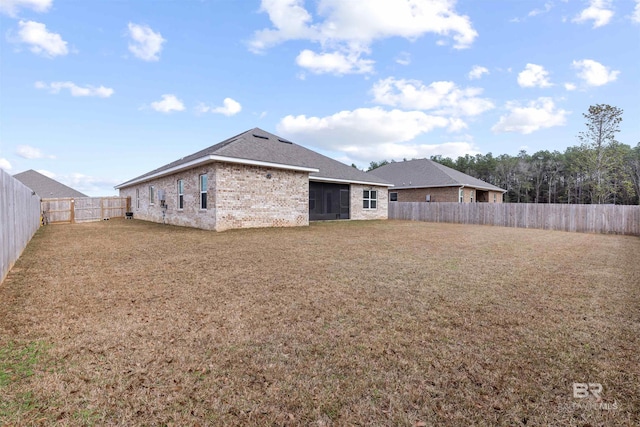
[(445, 169)]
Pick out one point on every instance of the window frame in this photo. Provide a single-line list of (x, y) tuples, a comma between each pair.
[(180, 191), (152, 195), (461, 195), (369, 200), (203, 190), (137, 198), (391, 196)]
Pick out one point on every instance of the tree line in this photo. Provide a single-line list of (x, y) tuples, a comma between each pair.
[(598, 170)]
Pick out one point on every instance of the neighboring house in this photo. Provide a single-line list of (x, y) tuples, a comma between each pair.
[(424, 180), (46, 187), (255, 179)]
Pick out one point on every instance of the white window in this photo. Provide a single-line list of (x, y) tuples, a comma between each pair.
[(180, 194), (393, 197), (370, 199), (495, 198), (472, 194), (137, 198), (203, 191), (152, 194), (461, 195)]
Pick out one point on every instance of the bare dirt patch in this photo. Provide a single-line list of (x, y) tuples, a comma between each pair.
[(343, 323)]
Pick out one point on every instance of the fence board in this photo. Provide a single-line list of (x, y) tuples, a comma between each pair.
[(84, 209), (612, 219), (19, 220)]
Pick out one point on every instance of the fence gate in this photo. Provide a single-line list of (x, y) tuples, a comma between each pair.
[(84, 209)]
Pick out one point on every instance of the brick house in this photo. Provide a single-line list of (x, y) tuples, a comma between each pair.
[(423, 180), (255, 179)]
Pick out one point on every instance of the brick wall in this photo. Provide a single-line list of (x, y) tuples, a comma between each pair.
[(442, 194), (241, 196), (191, 215), (238, 196), (246, 198), (439, 194), (356, 206), (498, 196)]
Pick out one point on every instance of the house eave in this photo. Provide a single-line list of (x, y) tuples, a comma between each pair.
[(348, 181), (479, 187), (210, 159)]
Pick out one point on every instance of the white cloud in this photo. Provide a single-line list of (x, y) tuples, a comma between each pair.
[(334, 63), (75, 90), (635, 16), (476, 72), (145, 43), (229, 108), (93, 186), (398, 151), (367, 134), (350, 27), (404, 58), (594, 73), (547, 7), (89, 184), (363, 125), (29, 152), (4, 164), (534, 76), (599, 11), (445, 98), (168, 104), (570, 86), (11, 7), (361, 23), (536, 115), (40, 40)]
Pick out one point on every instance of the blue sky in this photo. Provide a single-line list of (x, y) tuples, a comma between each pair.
[(93, 93)]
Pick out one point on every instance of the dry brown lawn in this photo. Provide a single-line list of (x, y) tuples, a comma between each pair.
[(340, 323)]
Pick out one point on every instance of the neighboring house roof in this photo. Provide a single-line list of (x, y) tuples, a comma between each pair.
[(421, 173), (46, 187), (261, 148)]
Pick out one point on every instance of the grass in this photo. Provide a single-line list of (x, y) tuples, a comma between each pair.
[(339, 323), (18, 363)]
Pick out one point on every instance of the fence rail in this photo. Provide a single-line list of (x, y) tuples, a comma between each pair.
[(19, 220), (614, 219), (84, 209)]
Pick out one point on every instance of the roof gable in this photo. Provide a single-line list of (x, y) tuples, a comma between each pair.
[(419, 173), (257, 146), (45, 187)]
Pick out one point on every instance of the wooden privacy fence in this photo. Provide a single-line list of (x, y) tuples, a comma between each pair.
[(84, 209), (615, 219), (19, 220)]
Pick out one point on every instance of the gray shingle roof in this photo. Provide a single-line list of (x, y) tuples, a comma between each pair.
[(46, 187), (420, 173), (261, 146)]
